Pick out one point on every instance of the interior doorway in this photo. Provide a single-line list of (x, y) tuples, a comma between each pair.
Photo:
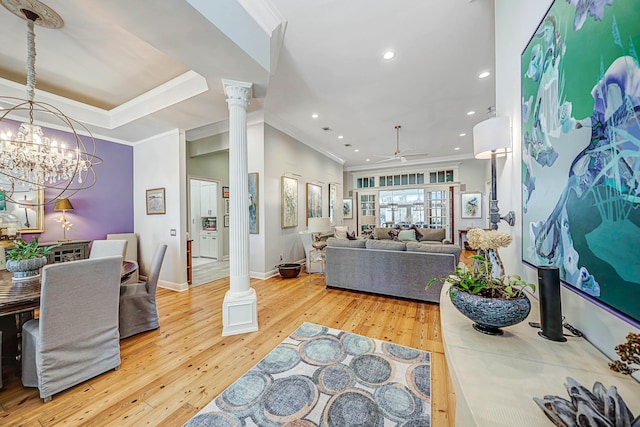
[(206, 211)]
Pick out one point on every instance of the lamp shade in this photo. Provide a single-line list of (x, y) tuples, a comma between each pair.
[(319, 224), (368, 219), (493, 134), (63, 204)]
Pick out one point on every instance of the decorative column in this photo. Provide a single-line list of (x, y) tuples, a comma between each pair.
[(240, 307)]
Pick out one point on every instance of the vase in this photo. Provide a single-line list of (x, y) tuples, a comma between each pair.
[(490, 314), (26, 269), (493, 257)]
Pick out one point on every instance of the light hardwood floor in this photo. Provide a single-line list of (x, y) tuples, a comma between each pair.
[(167, 375)]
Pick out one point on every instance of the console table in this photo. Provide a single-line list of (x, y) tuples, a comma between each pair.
[(67, 251), (496, 377)]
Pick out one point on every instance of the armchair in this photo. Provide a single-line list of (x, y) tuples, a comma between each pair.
[(76, 337), (138, 311)]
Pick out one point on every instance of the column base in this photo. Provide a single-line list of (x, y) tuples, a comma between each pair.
[(239, 314)]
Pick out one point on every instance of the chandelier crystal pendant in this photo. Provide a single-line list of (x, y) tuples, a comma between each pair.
[(30, 160)]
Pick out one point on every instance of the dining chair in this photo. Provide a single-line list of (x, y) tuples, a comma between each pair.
[(131, 253), (103, 248), (138, 311), (76, 337)]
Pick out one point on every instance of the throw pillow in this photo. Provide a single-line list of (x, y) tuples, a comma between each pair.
[(340, 231), (352, 235), (433, 234), (381, 233), (407, 235), (393, 234), (418, 233)]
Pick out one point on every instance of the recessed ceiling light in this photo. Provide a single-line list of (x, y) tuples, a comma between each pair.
[(389, 55), (340, 136), (457, 148), (484, 75), (463, 134), (470, 113), (314, 116), (368, 160), (356, 150)]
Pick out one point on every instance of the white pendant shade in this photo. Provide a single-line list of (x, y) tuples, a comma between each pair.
[(491, 134)]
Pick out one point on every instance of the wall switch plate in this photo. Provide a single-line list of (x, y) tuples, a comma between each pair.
[(172, 232)]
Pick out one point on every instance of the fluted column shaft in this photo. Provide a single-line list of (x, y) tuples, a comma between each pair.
[(238, 95)]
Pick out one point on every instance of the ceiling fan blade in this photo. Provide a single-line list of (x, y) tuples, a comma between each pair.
[(389, 159), (417, 155), (403, 159)]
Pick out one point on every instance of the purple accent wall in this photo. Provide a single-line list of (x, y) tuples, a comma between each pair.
[(107, 207)]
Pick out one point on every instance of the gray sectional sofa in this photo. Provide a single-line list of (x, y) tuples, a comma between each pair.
[(387, 267)]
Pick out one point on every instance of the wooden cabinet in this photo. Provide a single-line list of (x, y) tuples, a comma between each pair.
[(189, 262), (68, 251), (208, 200), (209, 244)]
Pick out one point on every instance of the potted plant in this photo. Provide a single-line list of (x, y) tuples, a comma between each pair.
[(26, 259), (491, 302)]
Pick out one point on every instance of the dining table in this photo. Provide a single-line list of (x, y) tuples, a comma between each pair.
[(18, 302)]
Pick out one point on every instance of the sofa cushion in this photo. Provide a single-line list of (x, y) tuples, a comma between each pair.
[(381, 233), (387, 245), (437, 235), (407, 235), (441, 249), (345, 243), (340, 231)]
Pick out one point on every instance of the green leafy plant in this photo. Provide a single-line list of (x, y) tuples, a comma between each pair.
[(480, 281), (26, 250)]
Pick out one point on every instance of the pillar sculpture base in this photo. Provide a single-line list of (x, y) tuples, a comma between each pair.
[(239, 313)]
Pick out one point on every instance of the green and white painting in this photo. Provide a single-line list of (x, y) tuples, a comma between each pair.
[(581, 150), (289, 202)]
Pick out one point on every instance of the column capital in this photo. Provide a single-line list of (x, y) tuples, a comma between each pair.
[(238, 93)]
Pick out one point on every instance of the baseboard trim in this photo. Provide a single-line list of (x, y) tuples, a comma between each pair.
[(178, 287)]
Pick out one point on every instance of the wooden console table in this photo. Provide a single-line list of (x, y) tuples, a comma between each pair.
[(67, 251), (497, 377)]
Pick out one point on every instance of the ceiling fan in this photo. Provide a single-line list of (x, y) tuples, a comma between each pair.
[(398, 155)]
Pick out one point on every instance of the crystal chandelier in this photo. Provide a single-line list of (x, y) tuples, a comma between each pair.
[(30, 160)]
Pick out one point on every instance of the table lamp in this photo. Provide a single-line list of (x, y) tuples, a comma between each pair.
[(63, 204)]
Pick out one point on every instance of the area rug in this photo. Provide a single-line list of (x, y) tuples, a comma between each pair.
[(320, 376)]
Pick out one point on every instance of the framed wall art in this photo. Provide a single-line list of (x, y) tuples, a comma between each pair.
[(314, 201), (347, 208), (471, 205), (253, 203), (27, 206), (580, 147), (289, 202), (156, 201), (225, 192), (333, 191)]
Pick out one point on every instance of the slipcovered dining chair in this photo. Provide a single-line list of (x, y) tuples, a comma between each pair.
[(76, 337), (138, 311), (102, 248)]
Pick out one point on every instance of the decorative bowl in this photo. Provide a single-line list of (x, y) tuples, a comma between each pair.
[(290, 270), (490, 314)]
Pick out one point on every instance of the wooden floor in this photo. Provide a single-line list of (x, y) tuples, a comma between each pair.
[(167, 375)]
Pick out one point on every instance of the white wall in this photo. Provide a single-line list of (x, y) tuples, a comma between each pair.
[(516, 21), (257, 247), (285, 155), (159, 162)]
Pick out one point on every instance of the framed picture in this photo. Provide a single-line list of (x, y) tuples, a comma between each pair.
[(27, 206), (314, 201), (333, 190), (580, 146), (471, 205), (225, 192), (226, 220), (253, 203), (155, 201), (226, 206), (347, 208), (289, 202)]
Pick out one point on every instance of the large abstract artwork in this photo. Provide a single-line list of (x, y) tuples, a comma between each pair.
[(581, 150), (289, 202), (314, 201), (253, 203)]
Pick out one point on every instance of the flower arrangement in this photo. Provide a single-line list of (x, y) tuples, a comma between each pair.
[(27, 250), (480, 281)]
